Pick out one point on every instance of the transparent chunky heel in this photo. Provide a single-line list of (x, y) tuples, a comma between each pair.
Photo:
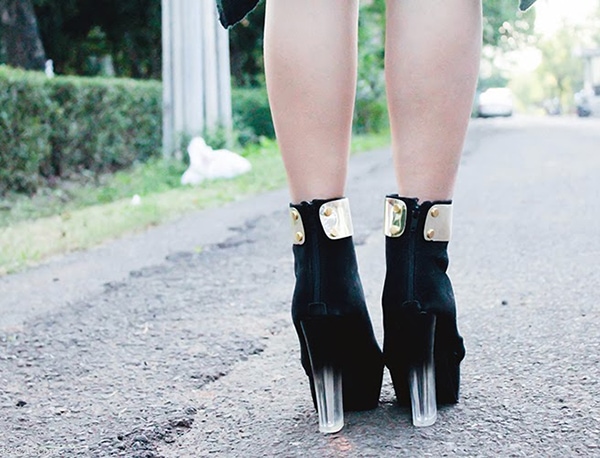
[(330, 405), (322, 342), (421, 377), (421, 381)]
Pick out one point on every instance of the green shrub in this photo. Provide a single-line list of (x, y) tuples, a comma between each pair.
[(26, 110), (370, 112), (251, 114), (66, 125), (104, 124), (370, 109)]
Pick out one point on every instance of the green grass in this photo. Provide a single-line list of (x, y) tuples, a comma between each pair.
[(153, 177), (77, 216)]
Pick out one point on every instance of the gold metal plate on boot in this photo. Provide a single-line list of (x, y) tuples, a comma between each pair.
[(438, 224), (297, 227), (336, 219), (394, 217)]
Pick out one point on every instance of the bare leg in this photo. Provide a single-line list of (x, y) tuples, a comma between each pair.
[(310, 65), (432, 62)]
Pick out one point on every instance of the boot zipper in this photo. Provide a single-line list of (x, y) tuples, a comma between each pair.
[(411, 254), (315, 262)]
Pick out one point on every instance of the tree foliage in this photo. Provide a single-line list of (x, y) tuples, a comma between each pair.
[(245, 47), (90, 37), (370, 106), (20, 44), (505, 27), (561, 71), (78, 34)]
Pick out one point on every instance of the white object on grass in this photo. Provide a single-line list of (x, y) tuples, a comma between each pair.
[(136, 200), (208, 164), (49, 68)]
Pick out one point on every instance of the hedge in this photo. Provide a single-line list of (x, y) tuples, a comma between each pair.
[(68, 125), (251, 114), (25, 128), (65, 125)]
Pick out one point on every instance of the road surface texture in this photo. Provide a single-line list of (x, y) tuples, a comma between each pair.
[(178, 342)]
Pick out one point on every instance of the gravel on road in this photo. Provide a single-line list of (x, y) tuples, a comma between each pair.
[(178, 342)]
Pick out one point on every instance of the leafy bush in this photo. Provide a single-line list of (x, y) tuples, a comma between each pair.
[(370, 110), (104, 124), (25, 127), (252, 117), (66, 125), (251, 114)]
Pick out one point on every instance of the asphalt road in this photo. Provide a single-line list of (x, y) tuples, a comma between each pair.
[(178, 342)]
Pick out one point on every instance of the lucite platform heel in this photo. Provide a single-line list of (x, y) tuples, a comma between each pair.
[(338, 348), (422, 346), (421, 372), (326, 369)]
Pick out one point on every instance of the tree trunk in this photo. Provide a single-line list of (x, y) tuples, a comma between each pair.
[(20, 36)]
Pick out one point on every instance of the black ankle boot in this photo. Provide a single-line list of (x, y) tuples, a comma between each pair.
[(422, 346), (330, 315)]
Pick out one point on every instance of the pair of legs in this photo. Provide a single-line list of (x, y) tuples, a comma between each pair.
[(431, 64)]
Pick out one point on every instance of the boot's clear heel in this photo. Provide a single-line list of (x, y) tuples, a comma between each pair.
[(321, 344), (421, 377), (328, 391), (422, 394)]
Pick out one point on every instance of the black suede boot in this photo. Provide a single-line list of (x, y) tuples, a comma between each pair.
[(422, 346), (330, 315)]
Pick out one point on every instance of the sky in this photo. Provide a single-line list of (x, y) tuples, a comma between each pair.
[(550, 14)]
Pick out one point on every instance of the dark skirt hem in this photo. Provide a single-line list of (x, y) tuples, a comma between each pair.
[(233, 11)]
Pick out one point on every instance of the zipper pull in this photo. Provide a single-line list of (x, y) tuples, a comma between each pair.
[(415, 219)]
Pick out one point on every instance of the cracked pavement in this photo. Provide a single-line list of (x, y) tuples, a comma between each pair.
[(178, 342)]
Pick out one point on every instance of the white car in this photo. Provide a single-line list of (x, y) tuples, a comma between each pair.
[(588, 102), (495, 101)]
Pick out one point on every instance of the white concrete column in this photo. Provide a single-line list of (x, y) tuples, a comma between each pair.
[(196, 79)]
